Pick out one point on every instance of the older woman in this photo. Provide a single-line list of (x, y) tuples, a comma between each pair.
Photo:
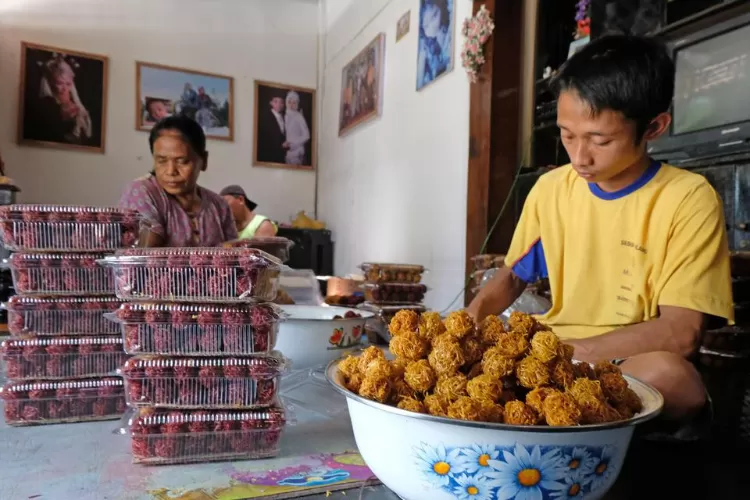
[(181, 212), (297, 131)]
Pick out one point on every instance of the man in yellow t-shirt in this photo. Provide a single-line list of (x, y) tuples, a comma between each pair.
[(635, 251), (249, 224)]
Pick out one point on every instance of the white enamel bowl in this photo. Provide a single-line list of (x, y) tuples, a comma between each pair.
[(421, 457), (310, 337)]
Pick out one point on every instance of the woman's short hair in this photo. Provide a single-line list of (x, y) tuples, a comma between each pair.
[(191, 132)]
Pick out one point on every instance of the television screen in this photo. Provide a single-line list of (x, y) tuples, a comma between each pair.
[(712, 88)]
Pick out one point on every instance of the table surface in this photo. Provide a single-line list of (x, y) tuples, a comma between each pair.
[(92, 460)]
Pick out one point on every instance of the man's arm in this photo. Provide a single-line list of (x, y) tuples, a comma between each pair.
[(497, 295), (265, 229), (677, 330)]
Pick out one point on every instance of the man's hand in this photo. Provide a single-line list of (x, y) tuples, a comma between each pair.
[(497, 295)]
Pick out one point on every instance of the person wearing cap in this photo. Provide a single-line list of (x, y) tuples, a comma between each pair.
[(272, 146), (249, 224)]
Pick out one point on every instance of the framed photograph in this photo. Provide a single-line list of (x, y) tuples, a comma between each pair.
[(207, 98), (362, 86), (284, 132), (402, 27), (62, 99), (435, 49)]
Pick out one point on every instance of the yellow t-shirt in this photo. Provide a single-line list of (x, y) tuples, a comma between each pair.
[(613, 258)]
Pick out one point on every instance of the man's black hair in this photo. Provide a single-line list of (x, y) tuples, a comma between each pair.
[(188, 128), (629, 74)]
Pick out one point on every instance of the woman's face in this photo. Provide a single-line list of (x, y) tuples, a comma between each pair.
[(431, 20), (176, 165), (62, 84), (292, 104)]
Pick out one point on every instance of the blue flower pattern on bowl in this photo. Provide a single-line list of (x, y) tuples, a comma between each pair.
[(488, 472)]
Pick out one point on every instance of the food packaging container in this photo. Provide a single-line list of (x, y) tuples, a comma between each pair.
[(274, 245), (486, 261), (61, 315), (216, 383), (62, 401), (60, 274), (37, 358), (392, 273), (394, 293), (50, 228), (195, 274), (197, 330), (383, 316), (183, 436)]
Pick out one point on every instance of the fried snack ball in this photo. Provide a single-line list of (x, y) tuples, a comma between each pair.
[(430, 325), (452, 388), (581, 388), (420, 376), (512, 345), (519, 413), (409, 346), (584, 370), (632, 401), (376, 388), (475, 370), (535, 398), (492, 412), (378, 368), (595, 411), (484, 387), (473, 349), (436, 405), (623, 410), (496, 364), (354, 382), (491, 329), (400, 390), (446, 358), (459, 324), (522, 323), (349, 366), (440, 339), (562, 372), (561, 409), (614, 386), (465, 408), (606, 367), (565, 351), (411, 404), (368, 355), (532, 373), (398, 366), (404, 321), (544, 346)]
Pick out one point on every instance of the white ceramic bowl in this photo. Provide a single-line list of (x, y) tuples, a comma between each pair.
[(310, 337), (421, 457)]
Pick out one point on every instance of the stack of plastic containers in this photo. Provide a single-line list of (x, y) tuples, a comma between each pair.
[(204, 377), (63, 355), (388, 289)]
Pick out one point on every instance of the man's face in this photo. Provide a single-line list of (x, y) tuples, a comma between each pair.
[(236, 204), (277, 104), (600, 147), (175, 164), (158, 110)]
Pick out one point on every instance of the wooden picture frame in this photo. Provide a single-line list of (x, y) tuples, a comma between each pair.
[(356, 106), (270, 145), (62, 98), (162, 90)]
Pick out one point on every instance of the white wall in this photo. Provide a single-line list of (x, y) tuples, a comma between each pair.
[(394, 189), (247, 39)]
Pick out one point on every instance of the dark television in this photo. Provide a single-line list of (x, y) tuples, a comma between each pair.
[(711, 108)]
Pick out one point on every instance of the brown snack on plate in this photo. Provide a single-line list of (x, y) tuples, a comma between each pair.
[(632, 401), (368, 355), (409, 346), (532, 373), (544, 346), (376, 388), (465, 408), (602, 367), (436, 405), (565, 351), (446, 358), (595, 411), (484, 387), (459, 324), (398, 367), (420, 376), (522, 324), (518, 413), (496, 364), (562, 372), (491, 329), (535, 398), (473, 350), (581, 388), (410, 404), (354, 382), (584, 370), (475, 370), (513, 345), (431, 325), (614, 386), (349, 366), (400, 390), (378, 368), (405, 320), (561, 410), (492, 412), (452, 388)]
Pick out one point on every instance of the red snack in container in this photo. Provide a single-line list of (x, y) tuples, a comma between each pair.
[(86, 216), (209, 375), (31, 411), (32, 353), (135, 390), (182, 317), (157, 316), (60, 217), (209, 317), (183, 371), (236, 317), (129, 238), (210, 340), (199, 259), (162, 336), (57, 410), (158, 371), (33, 216), (103, 407), (80, 407), (175, 424), (266, 391), (235, 370)]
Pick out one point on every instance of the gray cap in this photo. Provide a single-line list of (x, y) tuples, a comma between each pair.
[(235, 190)]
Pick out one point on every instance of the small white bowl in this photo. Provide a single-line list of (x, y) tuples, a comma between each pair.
[(310, 337), (422, 457)]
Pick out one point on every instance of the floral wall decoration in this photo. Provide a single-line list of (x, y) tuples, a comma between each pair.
[(476, 31)]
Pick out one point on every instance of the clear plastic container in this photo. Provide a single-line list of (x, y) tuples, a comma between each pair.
[(40, 358), (61, 315), (172, 437), (376, 272), (217, 383), (394, 293), (60, 274), (195, 274), (274, 245), (197, 330), (59, 228), (63, 401)]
